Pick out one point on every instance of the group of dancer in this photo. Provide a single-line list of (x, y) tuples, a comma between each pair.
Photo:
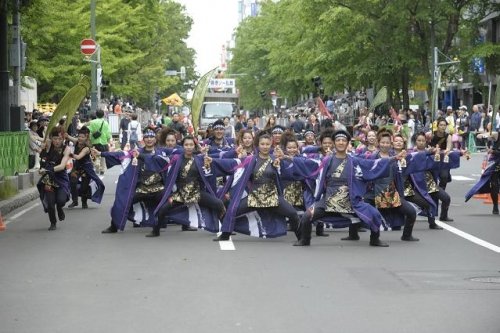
[(263, 184)]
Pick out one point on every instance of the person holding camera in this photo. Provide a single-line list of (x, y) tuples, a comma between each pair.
[(100, 136)]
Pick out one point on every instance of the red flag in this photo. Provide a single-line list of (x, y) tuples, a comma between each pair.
[(322, 108)]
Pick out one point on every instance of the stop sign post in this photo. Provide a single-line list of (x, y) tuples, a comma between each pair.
[(88, 47)]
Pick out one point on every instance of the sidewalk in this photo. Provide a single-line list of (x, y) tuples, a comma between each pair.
[(19, 200), (24, 184)]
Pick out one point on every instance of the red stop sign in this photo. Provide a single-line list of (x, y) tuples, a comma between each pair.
[(88, 46)]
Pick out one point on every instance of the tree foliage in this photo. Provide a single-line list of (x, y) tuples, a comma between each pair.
[(139, 40), (353, 44)]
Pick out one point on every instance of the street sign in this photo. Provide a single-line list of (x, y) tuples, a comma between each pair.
[(88, 46)]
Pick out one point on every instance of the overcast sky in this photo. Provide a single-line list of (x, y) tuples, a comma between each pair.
[(213, 24)]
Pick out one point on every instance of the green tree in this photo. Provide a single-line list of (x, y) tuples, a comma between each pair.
[(352, 44), (139, 40)]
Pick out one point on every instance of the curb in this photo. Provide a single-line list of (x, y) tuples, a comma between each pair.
[(19, 200)]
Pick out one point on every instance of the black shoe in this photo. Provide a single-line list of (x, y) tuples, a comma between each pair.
[(396, 228), (375, 240), (350, 238), (136, 225), (73, 204), (154, 233), (445, 219), (495, 211), (110, 230), (409, 239), (320, 230), (189, 228), (434, 226), (60, 214), (379, 243), (84, 205), (302, 242), (52, 227), (222, 237)]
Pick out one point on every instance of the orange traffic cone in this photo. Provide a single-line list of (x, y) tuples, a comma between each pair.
[(2, 225)]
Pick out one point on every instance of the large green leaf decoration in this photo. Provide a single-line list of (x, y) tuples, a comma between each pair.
[(379, 99), (70, 103), (198, 95)]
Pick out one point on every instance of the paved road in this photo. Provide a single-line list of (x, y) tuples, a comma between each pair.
[(77, 280)]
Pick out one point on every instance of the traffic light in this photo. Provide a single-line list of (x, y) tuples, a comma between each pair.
[(104, 85)]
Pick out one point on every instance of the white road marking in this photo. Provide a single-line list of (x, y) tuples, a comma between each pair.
[(469, 237), (13, 217), (227, 245), (461, 178)]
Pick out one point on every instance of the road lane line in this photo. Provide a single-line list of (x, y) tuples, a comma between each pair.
[(461, 178), (13, 217), (227, 245), (469, 237)]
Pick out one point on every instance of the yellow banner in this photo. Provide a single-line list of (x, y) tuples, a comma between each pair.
[(174, 100)]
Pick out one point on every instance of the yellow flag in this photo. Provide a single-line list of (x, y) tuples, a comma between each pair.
[(173, 99)]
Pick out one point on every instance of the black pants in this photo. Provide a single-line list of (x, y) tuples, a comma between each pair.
[(31, 161), (150, 200), (444, 178), (55, 199), (206, 200), (419, 200), (308, 218), (284, 208), (84, 186), (406, 209), (124, 140), (445, 199)]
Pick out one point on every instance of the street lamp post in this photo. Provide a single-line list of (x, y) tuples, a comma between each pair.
[(437, 77), (94, 64)]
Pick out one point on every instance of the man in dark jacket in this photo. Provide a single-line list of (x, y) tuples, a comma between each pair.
[(124, 130), (177, 125), (298, 125)]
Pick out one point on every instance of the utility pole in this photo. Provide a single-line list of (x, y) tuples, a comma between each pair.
[(437, 76), (433, 68), (16, 54), (93, 95), (4, 69)]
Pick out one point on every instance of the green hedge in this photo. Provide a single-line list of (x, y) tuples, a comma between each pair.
[(14, 150)]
